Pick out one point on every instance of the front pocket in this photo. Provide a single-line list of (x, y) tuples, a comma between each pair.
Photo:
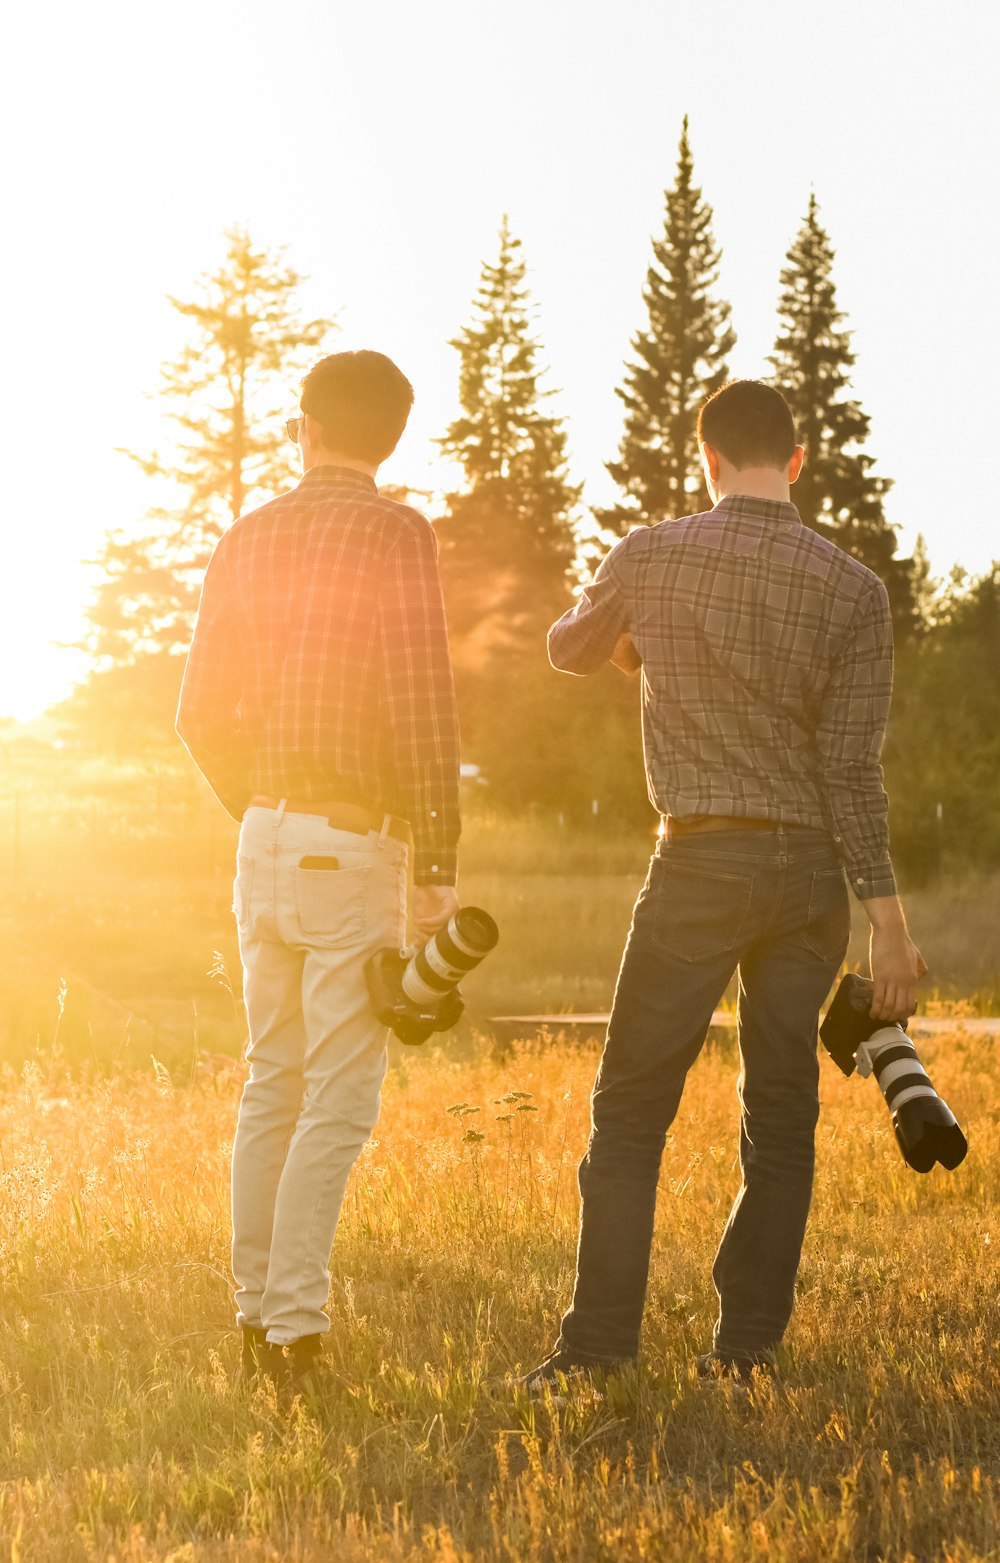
[(699, 914), (333, 904), (828, 928)]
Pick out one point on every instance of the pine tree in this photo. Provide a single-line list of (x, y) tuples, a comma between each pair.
[(838, 493), (513, 521), (225, 395), (680, 358), (508, 543)]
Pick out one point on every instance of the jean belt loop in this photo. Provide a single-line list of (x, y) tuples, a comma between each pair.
[(386, 824), (279, 812)]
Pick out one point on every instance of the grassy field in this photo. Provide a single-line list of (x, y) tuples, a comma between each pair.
[(122, 1437), (116, 925)]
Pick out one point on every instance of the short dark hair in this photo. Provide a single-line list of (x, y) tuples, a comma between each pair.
[(361, 402), (749, 423)]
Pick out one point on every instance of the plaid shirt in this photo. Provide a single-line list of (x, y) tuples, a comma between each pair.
[(767, 672), (320, 667)]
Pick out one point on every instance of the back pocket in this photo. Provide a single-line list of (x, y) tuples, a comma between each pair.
[(699, 914), (828, 927), (332, 904)]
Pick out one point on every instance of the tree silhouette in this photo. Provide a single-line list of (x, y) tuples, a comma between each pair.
[(224, 398), (838, 493), (679, 359)]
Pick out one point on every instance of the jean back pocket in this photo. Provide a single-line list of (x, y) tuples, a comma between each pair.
[(699, 913), (332, 905)]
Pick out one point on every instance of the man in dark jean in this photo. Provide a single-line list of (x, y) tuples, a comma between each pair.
[(766, 658), (318, 703)]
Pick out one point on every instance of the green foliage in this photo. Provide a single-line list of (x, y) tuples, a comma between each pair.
[(838, 493), (943, 750), (680, 358), (225, 395)]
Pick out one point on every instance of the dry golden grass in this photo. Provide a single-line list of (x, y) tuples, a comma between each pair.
[(123, 1438), (121, 1435)]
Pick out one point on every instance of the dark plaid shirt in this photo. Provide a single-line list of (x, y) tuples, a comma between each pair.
[(767, 672), (320, 668)]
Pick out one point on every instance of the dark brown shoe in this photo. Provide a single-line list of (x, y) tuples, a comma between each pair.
[(734, 1365), (561, 1369), (257, 1356), (299, 1369)]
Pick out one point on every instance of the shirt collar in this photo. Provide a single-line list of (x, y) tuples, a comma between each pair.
[(777, 511), (341, 476)]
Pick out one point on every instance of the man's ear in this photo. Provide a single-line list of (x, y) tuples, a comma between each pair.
[(710, 460), (795, 465)]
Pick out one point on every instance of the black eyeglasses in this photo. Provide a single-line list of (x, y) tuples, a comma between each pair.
[(293, 428)]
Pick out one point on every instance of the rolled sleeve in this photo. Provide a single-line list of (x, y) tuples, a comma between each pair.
[(849, 747), (586, 635)]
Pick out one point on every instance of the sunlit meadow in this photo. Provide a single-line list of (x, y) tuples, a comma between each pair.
[(123, 1436)]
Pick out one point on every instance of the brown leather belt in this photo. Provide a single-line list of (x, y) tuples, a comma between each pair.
[(340, 816), (709, 822)]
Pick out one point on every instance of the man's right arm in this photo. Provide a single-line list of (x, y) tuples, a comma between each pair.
[(849, 747), (591, 632), (423, 718)]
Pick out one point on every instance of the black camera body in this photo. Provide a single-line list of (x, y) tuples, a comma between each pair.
[(415, 993), (925, 1127), (410, 1023)]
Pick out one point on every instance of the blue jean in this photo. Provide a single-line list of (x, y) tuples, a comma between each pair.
[(774, 905)]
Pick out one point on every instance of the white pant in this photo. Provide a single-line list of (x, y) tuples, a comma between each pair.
[(317, 1053)]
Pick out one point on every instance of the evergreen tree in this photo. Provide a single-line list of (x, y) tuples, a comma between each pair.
[(508, 540), (507, 546), (838, 494), (225, 394), (942, 751), (680, 358)]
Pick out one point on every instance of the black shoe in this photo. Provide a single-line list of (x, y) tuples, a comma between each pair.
[(300, 1369), (734, 1365), (257, 1357), (561, 1365)]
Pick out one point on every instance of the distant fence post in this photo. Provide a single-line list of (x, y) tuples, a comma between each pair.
[(939, 840)]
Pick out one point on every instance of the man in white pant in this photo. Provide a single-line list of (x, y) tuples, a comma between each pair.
[(318, 703)]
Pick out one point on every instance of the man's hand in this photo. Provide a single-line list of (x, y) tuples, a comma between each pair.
[(896, 963), (896, 966), (433, 907), (625, 655)]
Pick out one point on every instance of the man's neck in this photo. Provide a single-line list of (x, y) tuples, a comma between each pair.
[(333, 458), (756, 483)]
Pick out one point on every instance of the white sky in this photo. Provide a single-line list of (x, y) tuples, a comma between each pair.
[(381, 143)]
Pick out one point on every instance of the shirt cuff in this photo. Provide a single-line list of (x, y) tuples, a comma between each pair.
[(435, 865), (870, 880)]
